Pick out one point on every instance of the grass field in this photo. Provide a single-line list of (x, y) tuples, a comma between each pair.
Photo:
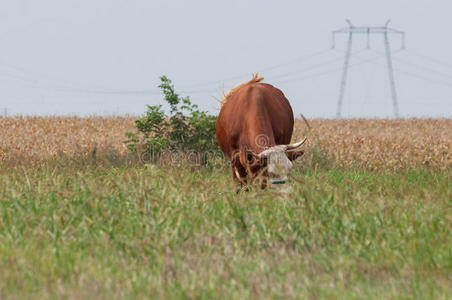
[(370, 216)]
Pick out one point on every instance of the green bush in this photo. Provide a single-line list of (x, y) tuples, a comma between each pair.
[(186, 128)]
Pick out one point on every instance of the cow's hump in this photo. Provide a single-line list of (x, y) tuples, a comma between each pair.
[(228, 95)]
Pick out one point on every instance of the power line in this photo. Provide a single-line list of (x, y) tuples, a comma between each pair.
[(401, 71), (448, 84), (63, 85), (442, 63), (68, 86), (352, 30), (268, 68), (35, 79), (298, 59), (71, 89), (418, 66), (330, 71), (414, 75), (309, 68), (302, 70)]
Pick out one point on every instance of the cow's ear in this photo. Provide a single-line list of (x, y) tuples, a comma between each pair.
[(293, 155)]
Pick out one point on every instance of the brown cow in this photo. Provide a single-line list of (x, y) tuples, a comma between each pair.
[(254, 130)]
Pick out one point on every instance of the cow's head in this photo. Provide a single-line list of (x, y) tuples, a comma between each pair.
[(277, 163)]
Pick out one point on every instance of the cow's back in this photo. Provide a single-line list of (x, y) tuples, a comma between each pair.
[(254, 115)]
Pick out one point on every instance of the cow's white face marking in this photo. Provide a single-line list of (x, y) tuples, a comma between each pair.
[(278, 165)]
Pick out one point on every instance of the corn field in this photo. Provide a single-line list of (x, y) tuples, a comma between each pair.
[(372, 144)]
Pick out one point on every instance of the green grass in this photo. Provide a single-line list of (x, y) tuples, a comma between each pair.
[(145, 232)]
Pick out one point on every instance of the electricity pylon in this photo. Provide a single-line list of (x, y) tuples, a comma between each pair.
[(350, 31)]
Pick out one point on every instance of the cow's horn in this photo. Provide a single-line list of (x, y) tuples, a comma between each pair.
[(296, 145)]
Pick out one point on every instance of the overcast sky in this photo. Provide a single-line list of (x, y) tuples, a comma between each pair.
[(105, 56)]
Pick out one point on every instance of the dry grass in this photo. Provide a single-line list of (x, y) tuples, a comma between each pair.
[(43, 138), (383, 144), (372, 144)]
